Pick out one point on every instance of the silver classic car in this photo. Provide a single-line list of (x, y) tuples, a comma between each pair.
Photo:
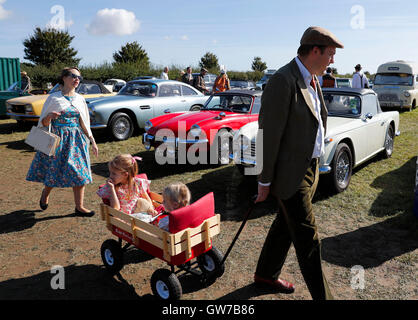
[(140, 100), (357, 130)]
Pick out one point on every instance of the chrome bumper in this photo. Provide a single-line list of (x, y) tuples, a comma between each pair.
[(149, 139)]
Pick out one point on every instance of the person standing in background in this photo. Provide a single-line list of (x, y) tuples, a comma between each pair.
[(359, 79)]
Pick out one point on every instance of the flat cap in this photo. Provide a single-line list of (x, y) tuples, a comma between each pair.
[(321, 37)]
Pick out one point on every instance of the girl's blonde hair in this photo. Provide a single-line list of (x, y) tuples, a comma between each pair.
[(177, 193), (126, 163)]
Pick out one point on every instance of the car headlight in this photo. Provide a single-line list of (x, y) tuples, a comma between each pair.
[(195, 130), (28, 108), (406, 94), (148, 125)]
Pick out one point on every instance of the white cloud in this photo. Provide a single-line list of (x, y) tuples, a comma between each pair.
[(114, 21), (184, 38), (4, 14), (167, 37)]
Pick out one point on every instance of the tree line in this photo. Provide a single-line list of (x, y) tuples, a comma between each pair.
[(49, 50)]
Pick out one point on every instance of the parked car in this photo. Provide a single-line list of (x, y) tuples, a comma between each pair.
[(12, 92), (242, 84), (396, 83), (139, 101), (114, 85), (28, 109), (145, 78), (343, 82), (214, 125), (262, 83), (357, 130)]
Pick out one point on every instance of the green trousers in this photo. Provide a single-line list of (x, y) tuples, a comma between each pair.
[(295, 223)]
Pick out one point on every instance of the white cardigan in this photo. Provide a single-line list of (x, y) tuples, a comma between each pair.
[(57, 102)]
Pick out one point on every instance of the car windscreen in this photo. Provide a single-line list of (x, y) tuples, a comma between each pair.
[(342, 105), (145, 89), (240, 84), (14, 87), (55, 88), (400, 79), (234, 103)]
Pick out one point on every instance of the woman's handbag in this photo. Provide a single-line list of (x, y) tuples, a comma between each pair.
[(42, 140)]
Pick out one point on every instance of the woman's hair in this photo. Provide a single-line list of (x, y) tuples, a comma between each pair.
[(126, 163), (177, 192), (65, 73)]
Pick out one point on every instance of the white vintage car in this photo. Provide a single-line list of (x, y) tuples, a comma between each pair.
[(357, 130)]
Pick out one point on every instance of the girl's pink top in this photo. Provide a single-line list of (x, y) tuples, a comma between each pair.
[(127, 202)]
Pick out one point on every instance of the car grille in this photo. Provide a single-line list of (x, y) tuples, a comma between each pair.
[(388, 97), (18, 108)]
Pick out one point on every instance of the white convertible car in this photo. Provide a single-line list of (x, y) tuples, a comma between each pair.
[(357, 130)]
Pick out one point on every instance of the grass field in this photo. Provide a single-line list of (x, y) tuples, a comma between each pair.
[(371, 224)]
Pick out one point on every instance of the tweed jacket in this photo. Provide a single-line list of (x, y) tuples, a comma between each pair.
[(289, 125)]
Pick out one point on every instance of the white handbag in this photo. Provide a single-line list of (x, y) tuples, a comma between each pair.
[(43, 140)]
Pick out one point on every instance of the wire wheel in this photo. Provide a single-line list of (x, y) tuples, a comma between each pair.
[(342, 167), (389, 142), (121, 126)]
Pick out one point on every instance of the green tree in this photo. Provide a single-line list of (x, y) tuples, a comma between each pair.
[(209, 61), (131, 52), (258, 65), (49, 46)]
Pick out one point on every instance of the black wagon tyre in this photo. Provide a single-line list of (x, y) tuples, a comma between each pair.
[(195, 108), (210, 263), (112, 256), (389, 142), (342, 166), (165, 285), (224, 146), (121, 126)]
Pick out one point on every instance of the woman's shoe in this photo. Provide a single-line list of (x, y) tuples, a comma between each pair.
[(43, 206), (84, 214)]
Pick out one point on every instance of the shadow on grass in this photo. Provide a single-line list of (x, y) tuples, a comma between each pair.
[(373, 245), (24, 219), (249, 291), (13, 126), (18, 145), (81, 283)]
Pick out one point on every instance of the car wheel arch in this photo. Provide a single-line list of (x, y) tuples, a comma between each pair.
[(350, 144)]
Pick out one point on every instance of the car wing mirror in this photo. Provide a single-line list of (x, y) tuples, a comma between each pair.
[(368, 116), (167, 111)]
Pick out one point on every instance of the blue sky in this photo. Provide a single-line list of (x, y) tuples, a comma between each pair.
[(180, 32)]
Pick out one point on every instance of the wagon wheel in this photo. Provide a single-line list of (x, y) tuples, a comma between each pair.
[(342, 165), (165, 285), (389, 141), (112, 256), (211, 264)]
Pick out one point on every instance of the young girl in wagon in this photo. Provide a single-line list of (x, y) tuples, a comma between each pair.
[(123, 190)]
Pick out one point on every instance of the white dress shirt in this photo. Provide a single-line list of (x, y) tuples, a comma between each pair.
[(164, 75)]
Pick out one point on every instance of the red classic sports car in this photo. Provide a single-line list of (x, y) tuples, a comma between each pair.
[(187, 136)]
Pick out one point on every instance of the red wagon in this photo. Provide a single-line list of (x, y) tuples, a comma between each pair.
[(186, 247)]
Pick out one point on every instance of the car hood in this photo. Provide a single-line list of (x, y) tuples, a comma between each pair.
[(29, 99), (201, 118), (126, 99)]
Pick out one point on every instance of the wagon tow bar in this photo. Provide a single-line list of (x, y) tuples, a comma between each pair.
[(247, 215)]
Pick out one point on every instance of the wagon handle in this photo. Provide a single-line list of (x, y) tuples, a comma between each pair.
[(252, 205)]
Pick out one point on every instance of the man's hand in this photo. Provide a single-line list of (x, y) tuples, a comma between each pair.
[(263, 192)]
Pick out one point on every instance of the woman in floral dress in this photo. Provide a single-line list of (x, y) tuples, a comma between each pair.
[(66, 113)]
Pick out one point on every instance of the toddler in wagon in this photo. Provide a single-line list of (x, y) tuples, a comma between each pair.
[(175, 195)]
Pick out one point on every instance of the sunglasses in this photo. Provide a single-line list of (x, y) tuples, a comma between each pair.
[(74, 76)]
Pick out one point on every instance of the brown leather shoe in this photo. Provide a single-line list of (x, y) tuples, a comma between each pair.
[(279, 284)]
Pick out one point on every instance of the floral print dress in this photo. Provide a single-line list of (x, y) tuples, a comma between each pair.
[(70, 166), (127, 201)]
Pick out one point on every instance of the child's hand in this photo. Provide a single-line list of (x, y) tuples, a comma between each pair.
[(109, 182), (152, 212)]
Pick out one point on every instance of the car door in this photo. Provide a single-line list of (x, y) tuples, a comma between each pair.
[(190, 97), (374, 123), (169, 98)]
